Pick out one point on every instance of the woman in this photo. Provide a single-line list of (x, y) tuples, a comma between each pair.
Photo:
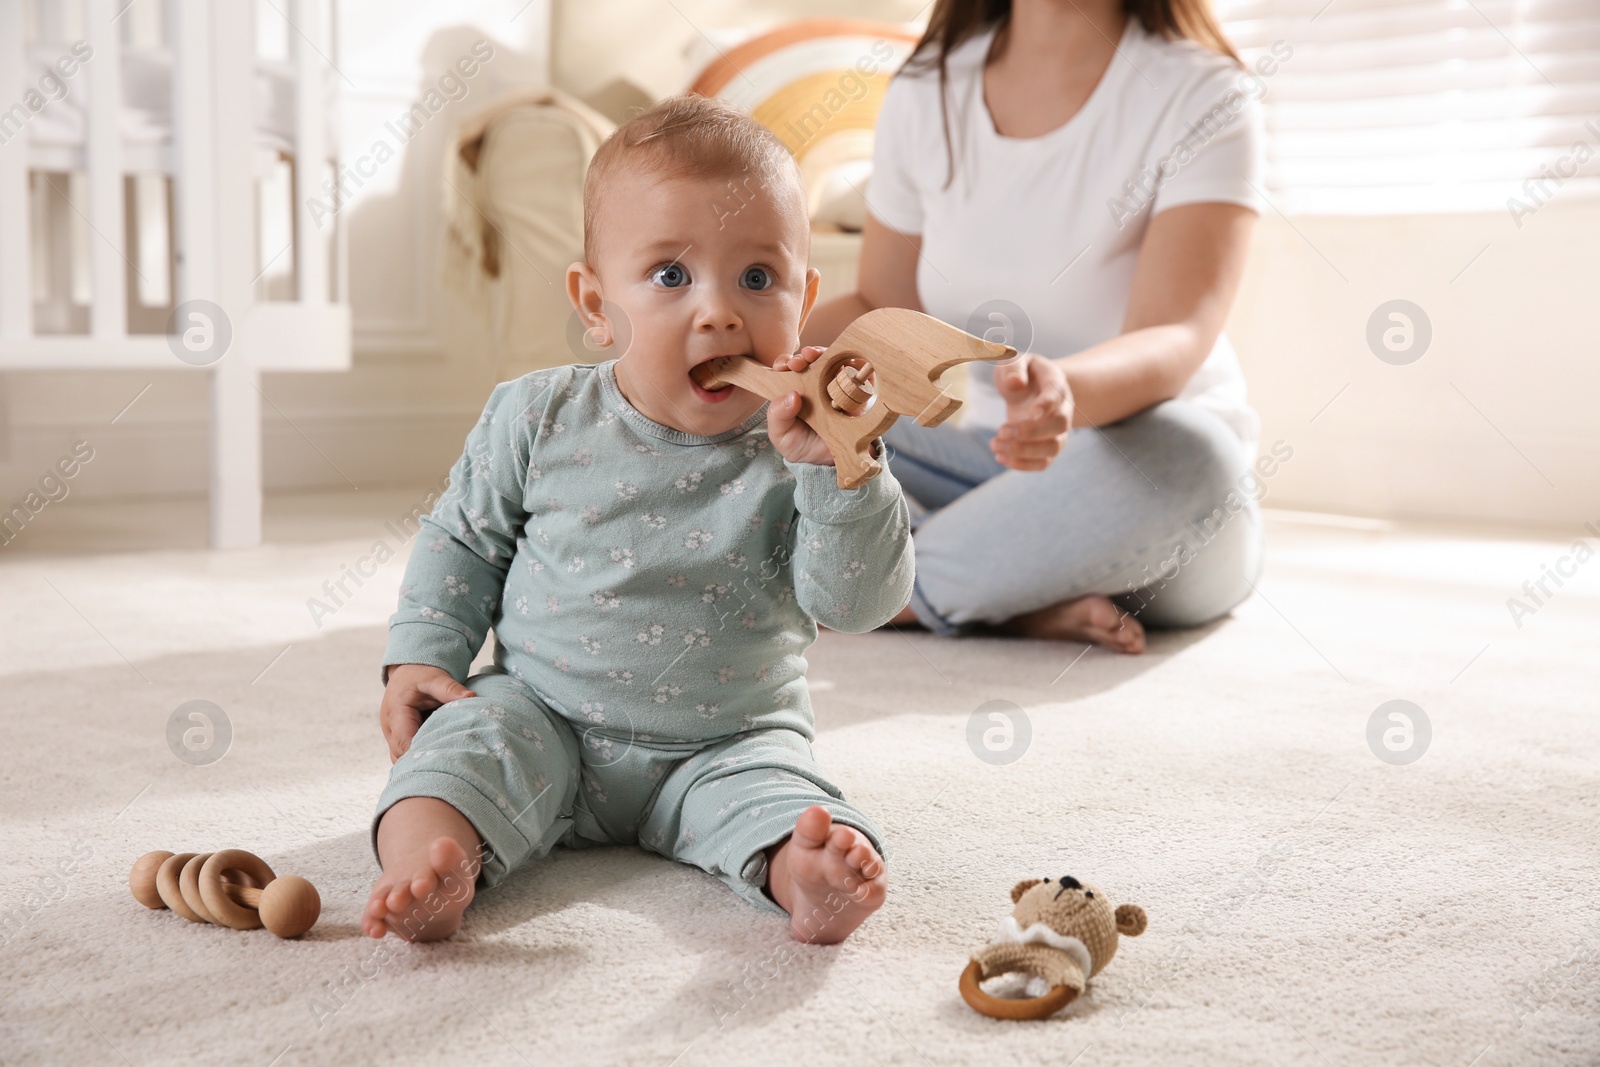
[(1082, 188)]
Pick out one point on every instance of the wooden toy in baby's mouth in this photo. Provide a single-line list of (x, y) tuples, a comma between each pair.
[(230, 888), (892, 354)]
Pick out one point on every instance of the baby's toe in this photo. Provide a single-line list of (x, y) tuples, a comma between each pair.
[(861, 871), (374, 917), (399, 898), (811, 829), (870, 893), (378, 900), (848, 843), (865, 860), (423, 883), (843, 839)]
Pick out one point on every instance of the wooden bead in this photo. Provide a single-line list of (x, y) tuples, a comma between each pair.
[(243, 867), (142, 879), (189, 886), (289, 906), (167, 885), (851, 389)]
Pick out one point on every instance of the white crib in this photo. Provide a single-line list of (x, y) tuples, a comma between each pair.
[(204, 151)]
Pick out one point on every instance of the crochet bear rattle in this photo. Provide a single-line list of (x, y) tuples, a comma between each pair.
[(230, 888), (892, 354), (1060, 934)]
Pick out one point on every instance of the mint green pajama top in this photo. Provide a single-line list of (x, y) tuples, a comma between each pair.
[(640, 578)]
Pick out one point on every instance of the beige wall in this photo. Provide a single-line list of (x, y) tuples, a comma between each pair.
[(1495, 421)]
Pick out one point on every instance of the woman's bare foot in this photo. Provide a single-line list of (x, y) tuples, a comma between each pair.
[(1090, 618), (828, 877), (907, 617), (430, 868)]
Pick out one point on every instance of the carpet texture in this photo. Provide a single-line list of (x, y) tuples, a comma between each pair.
[(1309, 901)]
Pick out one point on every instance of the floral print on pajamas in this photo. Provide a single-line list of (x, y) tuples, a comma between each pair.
[(652, 594)]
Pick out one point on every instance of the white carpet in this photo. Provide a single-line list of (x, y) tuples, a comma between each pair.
[(1308, 902)]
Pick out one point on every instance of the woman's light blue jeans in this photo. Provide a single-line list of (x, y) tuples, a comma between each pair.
[(1157, 511)]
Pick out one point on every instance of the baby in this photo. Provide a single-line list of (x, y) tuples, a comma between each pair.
[(654, 558)]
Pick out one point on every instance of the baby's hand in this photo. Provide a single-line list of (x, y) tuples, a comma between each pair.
[(413, 689), (794, 440)]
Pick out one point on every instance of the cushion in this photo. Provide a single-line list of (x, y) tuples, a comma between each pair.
[(817, 84)]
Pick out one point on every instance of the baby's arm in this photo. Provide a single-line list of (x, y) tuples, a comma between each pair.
[(464, 548), (851, 557)]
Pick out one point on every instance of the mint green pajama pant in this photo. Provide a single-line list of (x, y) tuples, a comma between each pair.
[(528, 779)]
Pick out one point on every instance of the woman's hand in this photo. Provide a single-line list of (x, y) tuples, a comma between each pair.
[(1038, 412), (794, 440), (413, 689)]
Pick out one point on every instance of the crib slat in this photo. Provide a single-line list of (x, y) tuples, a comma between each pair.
[(16, 312), (189, 32), (235, 389), (311, 240), (108, 313)]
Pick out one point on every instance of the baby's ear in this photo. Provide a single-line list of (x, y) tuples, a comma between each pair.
[(1021, 888), (813, 287), (1131, 920)]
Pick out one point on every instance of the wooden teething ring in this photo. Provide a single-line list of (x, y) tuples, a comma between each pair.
[(246, 867), (167, 886), (189, 886), (1012, 1008)]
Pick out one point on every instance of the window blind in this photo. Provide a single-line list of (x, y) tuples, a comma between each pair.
[(1404, 106)]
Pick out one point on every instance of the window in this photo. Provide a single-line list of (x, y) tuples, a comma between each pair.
[(1405, 106)]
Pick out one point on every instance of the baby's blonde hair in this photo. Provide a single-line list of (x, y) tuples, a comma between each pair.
[(691, 136)]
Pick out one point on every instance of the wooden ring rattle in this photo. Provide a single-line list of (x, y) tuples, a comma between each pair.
[(167, 885), (189, 887), (247, 868), (231, 888), (1023, 1008)]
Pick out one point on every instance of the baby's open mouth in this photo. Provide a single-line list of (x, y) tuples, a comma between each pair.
[(702, 371)]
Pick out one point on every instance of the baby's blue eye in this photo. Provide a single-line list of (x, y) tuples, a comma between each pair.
[(757, 278), (673, 276)]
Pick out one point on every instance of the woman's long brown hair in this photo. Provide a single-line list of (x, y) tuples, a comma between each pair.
[(953, 21)]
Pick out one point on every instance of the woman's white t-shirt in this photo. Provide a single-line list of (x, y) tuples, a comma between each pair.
[(1034, 242)]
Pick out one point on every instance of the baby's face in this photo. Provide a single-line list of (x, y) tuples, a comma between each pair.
[(688, 270)]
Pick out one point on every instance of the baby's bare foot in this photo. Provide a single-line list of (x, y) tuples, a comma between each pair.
[(1090, 618), (827, 876), (422, 898)]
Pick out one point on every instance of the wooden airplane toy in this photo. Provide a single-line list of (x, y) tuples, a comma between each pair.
[(885, 364)]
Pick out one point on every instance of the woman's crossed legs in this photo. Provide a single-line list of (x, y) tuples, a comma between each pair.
[(1148, 521)]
